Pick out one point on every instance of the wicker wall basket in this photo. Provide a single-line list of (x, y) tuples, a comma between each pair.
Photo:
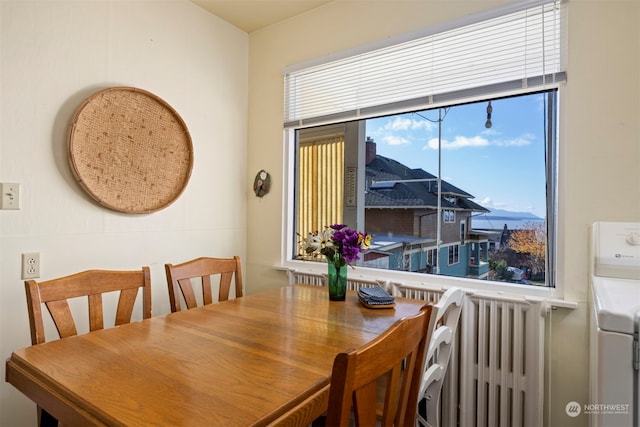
[(130, 150)]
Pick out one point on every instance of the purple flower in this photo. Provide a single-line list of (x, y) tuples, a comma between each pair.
[(348, 243), (341, 245)]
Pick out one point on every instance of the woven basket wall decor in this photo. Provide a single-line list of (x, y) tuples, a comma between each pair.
[(129, 150)]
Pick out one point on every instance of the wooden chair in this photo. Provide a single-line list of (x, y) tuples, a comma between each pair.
[(397, 358), (446, 316), (56, 293), (179, 280)]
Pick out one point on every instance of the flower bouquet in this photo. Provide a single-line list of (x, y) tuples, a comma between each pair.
[(341, 246)]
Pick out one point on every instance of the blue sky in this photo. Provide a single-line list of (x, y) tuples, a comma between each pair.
[(502, 167)]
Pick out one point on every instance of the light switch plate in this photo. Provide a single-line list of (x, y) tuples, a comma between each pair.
[(10, 195)]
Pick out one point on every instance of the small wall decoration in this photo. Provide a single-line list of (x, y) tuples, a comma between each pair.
[(262, 183)]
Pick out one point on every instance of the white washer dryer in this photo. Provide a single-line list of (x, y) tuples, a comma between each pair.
[(614, 398)]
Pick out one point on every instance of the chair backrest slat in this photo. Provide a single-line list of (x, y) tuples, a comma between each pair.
[(126, 302), (187, 293), (62, 318), (96, 313), (225, 285)]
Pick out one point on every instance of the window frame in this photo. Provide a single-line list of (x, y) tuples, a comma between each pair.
[(551, 293), (554, 291)]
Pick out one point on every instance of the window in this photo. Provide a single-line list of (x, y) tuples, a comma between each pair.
[(447, 181), (454, 254), (449, 215), (432, 259)]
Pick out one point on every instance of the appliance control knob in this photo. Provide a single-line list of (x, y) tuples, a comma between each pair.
[(633, 238)]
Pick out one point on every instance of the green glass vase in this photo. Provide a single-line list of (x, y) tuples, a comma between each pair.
[(337, 281)]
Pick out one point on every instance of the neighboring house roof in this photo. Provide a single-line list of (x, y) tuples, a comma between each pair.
[(386, 243), (390, 184)]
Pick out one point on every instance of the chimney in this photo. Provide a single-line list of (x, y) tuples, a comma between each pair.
[(371, 150)]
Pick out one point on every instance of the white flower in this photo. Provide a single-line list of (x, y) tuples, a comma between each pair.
[(316, 242)]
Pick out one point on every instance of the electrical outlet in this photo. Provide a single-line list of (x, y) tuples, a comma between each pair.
[(30, 265), (10, 195)]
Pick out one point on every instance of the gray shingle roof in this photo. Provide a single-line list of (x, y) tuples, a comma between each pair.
[(390, 184)]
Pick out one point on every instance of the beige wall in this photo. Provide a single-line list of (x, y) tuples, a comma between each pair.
[(53, 55), (599, 147)]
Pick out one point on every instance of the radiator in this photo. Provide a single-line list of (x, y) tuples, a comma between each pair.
[(305, 278), (311, 278), (496, 372)]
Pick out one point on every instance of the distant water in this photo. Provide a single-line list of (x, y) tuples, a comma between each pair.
[(497, 219)]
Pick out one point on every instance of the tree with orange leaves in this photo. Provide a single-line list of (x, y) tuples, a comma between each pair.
[(531, 240)]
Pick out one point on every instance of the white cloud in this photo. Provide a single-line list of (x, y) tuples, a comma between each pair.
[(404, 123), (395, 140), (458, 142), (479, 141), (488, 202), (399, 123), (490, 132), (518, 141)]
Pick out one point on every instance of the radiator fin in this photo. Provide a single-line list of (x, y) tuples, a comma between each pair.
[(305, 278)]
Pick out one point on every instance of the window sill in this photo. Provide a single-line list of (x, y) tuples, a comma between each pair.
[(505, 291)]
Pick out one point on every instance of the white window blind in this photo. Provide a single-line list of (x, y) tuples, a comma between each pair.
[(509, 51)]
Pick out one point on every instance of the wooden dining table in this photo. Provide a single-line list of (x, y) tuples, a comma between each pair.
[(263, 359)]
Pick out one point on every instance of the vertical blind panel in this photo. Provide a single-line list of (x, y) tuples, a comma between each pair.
[(320, 184), (517, 46)]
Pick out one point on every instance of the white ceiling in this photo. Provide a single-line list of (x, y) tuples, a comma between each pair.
[(251, 15)]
